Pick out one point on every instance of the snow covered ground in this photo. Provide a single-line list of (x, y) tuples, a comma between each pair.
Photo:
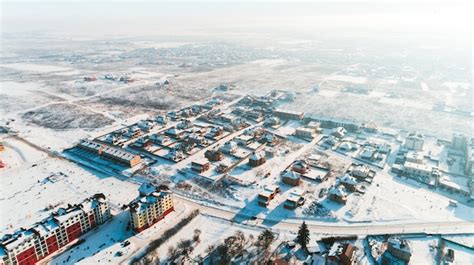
[(213, 232), (26, 192), (18, 153)]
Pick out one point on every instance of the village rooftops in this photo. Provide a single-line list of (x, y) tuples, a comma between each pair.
[(90, 144), (415, 135), (341, 249), (200, 161), (268, 191), (173, 131), (290, 174), (338, 191), (295, 195), (118, 153), (399, 244), (368, 152), (348, 179), (257, 156), (419, 167), (415, 157)]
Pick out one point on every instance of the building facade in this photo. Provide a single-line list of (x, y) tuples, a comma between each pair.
[(151, 206), (64, 226)]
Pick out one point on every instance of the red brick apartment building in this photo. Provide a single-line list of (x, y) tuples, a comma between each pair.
[(61, 228)]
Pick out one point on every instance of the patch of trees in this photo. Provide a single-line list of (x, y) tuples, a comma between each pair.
[(238, 246)]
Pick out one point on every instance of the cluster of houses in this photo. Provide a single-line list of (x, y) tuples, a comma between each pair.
[(324, 252), (47, 237), (308, 131), (356, 176), (252, 145), (292, 176), (390, 250), (155, 138), (413, 163)]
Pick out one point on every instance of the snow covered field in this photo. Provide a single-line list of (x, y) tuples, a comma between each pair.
[(28, 192)]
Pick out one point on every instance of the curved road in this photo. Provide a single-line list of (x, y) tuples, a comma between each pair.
[(451, 227)]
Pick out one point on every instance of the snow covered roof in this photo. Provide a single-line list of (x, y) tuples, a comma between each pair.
[(268, 190), (143, 202), (64, 214), (367, 152), (118, 153), (291, 175), (173, 131), (339, 191), (346, 145), (348, 179), (147, 188), (399, 244), (257, 156), (415, 135), (20, 236), (229, 146), (45, 227), (338, 249), (300, 163), (295, 195)]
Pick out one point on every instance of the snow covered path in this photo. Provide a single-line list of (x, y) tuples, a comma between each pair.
[(398, 227)]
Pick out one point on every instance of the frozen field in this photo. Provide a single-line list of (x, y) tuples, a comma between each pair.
[(28, 192)]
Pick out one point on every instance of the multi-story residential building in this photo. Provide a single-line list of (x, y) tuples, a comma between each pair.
[(64, 226), (414, 141), (469, 169), (152, 205), (459, 141)]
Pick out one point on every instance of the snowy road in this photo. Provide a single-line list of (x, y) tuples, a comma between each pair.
[(399, 227)]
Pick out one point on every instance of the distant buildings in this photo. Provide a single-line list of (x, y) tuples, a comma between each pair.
[(469, 168), (305, 133), (151, 206), (339, 132), (90, 78), (459, 142), (63, 227), (414, 141), (288, 114)]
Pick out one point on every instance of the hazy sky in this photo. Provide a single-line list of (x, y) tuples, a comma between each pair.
[(200, 18)]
